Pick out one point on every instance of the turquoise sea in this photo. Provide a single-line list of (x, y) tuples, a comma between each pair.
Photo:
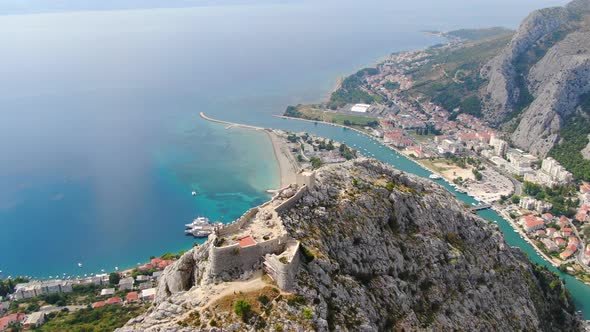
[(100, 139)]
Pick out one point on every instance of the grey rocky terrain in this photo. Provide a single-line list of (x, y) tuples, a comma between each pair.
[(382, 250), (541, 75)]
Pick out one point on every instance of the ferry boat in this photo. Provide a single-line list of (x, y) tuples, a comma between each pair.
[(199, 221), (434, 176), (199, 231)]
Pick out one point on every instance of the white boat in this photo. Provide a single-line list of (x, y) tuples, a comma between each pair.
[(198, 232), (199, 221), (434, 176), (79, 264), (194, 193)]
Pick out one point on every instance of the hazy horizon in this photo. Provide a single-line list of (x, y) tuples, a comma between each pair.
[(15, 7)]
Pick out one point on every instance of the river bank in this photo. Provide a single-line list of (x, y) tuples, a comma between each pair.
[(524, 236)]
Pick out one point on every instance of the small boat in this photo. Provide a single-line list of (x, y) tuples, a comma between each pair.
[(79, 264), (194, 193), (434, 176)]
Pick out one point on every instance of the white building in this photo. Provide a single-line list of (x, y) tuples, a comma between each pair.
[(38, 288), (551, 174), (360, 108), (34, 319), (107, 292), (126, 283), (500, 146)]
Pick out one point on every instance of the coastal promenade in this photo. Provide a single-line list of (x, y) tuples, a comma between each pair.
[(288, 167)]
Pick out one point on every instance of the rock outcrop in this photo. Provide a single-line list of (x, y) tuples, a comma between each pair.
[(382, 250), (548, 61), (502, 91), (557, 81)]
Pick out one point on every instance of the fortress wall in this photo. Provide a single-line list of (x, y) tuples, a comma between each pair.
[(238, 223), (292, 200), (284, 274), (235, 260)]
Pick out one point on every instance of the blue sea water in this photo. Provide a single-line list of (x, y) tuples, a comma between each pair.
[(100, 139)]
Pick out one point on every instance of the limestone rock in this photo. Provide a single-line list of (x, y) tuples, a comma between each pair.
[(383, 250)]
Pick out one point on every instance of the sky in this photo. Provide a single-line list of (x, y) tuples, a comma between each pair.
[(40, 6)]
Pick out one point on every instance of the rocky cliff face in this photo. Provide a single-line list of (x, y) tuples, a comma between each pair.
[(502, 91), (382, 250), (542, 73)]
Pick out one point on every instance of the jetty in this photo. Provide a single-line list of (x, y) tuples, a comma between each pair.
[(229, 124)]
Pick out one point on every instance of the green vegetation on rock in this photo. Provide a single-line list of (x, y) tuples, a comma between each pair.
[(574, 138)]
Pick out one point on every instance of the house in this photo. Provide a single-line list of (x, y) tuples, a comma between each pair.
[(156, 274), (107, 292), (142, 278), (146, 285), (98, 304), (148, 294), (132, 297), (563, 221), (551, 231), (34, 319), (541, 233), (550, 245), (566, 254), (114, 300), (548, 217), (145, 267), (560, 242), (566, 232), (7, 320), (532, 223), (126, 283)]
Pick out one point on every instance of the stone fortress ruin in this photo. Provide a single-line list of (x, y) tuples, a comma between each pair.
[(258, 240)]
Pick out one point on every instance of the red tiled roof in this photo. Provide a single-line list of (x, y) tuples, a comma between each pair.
[(132, 296), (246, 241), (114, 300), (145, 267), (156, 261), (565, 254), (6, 320), (98, 304)]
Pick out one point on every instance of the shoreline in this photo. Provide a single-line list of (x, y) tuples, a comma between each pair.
[(287, 166)]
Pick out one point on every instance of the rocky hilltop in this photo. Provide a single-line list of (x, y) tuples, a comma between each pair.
[(538, 79), (374, 249)]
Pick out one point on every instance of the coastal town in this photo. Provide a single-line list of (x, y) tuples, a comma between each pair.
[(542, 200), (29, 303)]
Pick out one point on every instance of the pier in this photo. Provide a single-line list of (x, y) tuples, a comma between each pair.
[(229, 124)]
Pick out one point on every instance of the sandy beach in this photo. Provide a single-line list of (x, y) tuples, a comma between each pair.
[(287, 165)]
